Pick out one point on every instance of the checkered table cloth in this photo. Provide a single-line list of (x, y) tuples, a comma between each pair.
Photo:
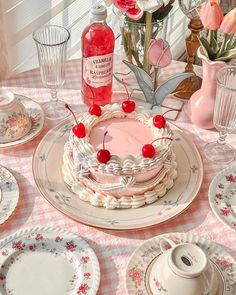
[(112, 248)]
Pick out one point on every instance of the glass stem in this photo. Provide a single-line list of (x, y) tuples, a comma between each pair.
[(222, 137), (54, 95)]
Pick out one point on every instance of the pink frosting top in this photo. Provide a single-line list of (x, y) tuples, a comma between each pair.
[(125, 136)]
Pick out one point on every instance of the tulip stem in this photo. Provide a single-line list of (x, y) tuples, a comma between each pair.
[(148, 36), (156, 70)]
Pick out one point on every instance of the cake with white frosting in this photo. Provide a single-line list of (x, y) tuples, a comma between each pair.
[(129, 178)]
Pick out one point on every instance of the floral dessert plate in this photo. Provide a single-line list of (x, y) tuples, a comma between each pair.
[(137, 272), (9, 194), (37, 117), (47, 170), (222, 196), (47, 261)]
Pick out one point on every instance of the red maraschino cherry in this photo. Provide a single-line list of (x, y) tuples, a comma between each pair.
[(95, 110), (128, 105), (149, 150), (159, 121), (79, 128), (103, 155)]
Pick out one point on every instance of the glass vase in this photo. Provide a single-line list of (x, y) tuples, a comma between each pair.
[(132, 44)]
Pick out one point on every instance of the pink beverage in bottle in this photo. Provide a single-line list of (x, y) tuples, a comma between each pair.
[(97, 59)]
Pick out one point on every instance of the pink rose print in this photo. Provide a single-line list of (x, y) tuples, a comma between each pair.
[(32, 247), (70, 246), (85, 259), (221, 186), (224, 212), (87, 275), (83, 289), (223, 263), (18, 245), (58, 239), (5, 253), (219, 196), (2, 277), (231, 178), (38, 237), (157, 283), (159, 286), (137, 275), (11, 121)]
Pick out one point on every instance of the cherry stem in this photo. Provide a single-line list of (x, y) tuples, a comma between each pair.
[(162, 138), (126, 89), (104, 137), (67, 107), (176, 110)]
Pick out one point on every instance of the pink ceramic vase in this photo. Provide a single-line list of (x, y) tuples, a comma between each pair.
[(201, 103)]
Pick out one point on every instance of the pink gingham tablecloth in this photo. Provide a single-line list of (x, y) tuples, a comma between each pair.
[(112, 248)]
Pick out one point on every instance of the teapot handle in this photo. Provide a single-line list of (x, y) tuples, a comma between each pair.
[(165, 241)]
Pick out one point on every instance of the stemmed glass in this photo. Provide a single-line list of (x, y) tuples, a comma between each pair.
[(51, 42), (224, 118)]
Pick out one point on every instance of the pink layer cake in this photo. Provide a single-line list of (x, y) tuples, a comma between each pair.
[(128, 179)]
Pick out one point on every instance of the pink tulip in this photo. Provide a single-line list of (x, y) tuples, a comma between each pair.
[(228, 25), (124, 4), (211, 15), (159, 54)]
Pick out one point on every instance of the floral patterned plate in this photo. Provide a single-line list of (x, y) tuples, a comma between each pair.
[(47, 261), (47, 170), (37, 117), (142, 258), (9, 194), (222, 196)]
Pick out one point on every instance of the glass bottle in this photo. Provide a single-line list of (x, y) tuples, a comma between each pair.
[(97, 59)]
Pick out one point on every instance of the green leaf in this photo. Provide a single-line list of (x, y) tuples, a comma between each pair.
[(169, 86), (144, 81), (227, 55), (207, 48)]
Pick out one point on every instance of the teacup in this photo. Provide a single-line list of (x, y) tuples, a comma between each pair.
[(182, 269), (14, 120)]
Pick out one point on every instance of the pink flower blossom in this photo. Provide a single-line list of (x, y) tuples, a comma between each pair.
[(18, 245), (85, 259), (83, 289), (70, 246), (157, 283), (211, 15), (228, 25), (87, 275), (159, 54), (219, 196), (5, 253), (58, 239), (225, 211), (2, 277), (38, 237), (231, 178)]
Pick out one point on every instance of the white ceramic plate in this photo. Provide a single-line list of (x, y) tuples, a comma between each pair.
[(9, 194), (222, 196), (47, 261), (136, 272), (37, 117), (47, 169)]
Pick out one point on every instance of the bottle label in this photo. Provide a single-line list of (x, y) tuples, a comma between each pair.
[(97, 70)]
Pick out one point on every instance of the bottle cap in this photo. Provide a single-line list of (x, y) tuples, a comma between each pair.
[(99, 13)]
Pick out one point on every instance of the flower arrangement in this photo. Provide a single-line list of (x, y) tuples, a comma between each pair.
[(142, 21), (213, 20)]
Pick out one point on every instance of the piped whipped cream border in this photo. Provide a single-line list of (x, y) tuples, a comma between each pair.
[(129, 164)]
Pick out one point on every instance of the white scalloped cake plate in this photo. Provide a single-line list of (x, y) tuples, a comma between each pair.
[(9, 194), (36, 114), (137, 270), (47, 261), (47, 170), (222, 196)]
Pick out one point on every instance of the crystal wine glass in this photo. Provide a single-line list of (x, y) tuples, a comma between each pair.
[(51, 42), (224, 118)]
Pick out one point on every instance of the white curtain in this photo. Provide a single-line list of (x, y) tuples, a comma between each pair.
[(4, 68)]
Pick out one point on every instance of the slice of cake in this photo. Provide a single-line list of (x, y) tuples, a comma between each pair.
[(141, 166)]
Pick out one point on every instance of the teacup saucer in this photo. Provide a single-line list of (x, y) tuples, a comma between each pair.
[(9, 194), (37, 117), (140, 261), (219, 275)]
